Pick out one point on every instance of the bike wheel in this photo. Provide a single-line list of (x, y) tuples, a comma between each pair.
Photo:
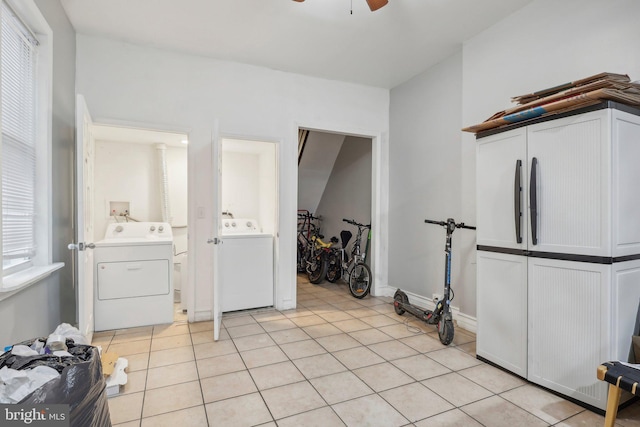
[(445, 331), (334, 269), (401, 297), (317, 270), (300, 262), (302, 258), (360, 280)]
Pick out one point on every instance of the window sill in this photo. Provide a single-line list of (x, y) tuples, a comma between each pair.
[(13, 283)]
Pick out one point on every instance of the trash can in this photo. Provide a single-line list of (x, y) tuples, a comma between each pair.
[(80, 385)]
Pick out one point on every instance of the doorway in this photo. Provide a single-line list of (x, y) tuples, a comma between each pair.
[(248, 194), (334, 183), (140, 176)]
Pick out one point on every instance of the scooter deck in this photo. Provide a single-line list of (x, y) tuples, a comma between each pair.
[(422, 314)]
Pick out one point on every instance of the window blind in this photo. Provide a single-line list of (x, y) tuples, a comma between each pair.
[(18, 121)]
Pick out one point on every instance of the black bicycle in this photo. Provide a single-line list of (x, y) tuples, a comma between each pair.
[(441, 314)]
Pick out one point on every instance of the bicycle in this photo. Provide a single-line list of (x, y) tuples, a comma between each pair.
[(340, 264), (312, 250), (317, 257), (441, 314), (307, 227)]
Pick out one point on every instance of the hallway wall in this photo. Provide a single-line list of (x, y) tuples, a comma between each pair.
[(205, 97), (348, 190)]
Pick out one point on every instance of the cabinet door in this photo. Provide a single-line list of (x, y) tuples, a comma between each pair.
[(569, 202), (501, 171), (502, 310), (625, 177), (568, 327)]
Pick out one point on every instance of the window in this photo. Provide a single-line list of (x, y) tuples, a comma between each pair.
[(25, 121), (18, 116)]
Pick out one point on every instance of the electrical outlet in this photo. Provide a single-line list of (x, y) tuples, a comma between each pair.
[(436, 297)]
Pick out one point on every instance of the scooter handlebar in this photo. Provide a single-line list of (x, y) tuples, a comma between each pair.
[(461, 225), (444, 224)]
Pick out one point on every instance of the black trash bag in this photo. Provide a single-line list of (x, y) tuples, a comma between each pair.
[(80, 385)]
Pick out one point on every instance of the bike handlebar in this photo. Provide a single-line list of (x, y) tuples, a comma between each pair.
[(352, 222), (445, 223), (308, 215)]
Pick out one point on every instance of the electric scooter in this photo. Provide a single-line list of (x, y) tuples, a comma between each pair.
[(441, 314)]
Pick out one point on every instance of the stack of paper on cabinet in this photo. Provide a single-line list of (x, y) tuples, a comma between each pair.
[(565, 97)]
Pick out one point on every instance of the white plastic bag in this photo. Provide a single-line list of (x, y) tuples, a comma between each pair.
[(16, 385), (68, 331)]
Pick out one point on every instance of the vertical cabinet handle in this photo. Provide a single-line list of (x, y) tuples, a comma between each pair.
[(533, 201), (517, 201)]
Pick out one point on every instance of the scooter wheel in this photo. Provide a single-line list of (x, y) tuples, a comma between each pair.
[(402, 298), (445, 331)]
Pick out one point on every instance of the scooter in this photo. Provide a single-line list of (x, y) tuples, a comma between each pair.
[(441, 314)]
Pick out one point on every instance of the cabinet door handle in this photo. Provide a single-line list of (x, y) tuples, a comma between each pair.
[(533, 201), (517, 201)]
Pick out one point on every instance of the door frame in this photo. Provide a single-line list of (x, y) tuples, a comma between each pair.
[(379, 175), (188, 287), (216, 162)]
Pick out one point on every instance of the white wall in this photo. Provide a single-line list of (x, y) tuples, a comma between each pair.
[(268, 189), (191, 93), (177, 171), (348, 190), (241, 184), (425, 180), (130, 172), (249, 183), (319, 155)]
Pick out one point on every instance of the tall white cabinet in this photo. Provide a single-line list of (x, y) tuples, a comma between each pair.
[(558, 234)]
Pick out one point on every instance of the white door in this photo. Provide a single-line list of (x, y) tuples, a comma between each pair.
[(84, 217), (572, 174), (501, 172), (216, 167), (502, 310), (569, 332)]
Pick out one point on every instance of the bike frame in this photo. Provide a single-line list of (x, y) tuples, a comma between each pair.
[(347, 264)]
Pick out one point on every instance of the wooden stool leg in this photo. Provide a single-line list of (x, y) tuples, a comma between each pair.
[(612, 405)]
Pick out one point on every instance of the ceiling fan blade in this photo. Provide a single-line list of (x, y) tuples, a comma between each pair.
[(299, 0), (376, 4)]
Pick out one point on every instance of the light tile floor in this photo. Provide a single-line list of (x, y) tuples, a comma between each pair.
[(334, 361)]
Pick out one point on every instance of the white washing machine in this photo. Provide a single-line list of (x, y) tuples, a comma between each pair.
[(133, 276), (246, 270)]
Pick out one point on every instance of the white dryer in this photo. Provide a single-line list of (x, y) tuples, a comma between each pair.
[(133, 276)]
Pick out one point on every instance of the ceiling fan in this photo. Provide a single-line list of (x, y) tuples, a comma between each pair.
[(373, 4)]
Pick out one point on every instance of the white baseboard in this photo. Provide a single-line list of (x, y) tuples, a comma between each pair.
[(463, 320), (202, 315)]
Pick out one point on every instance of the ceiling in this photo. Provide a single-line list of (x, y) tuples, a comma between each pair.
[(317, 37)]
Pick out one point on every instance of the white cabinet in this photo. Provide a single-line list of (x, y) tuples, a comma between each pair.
[(569, 317), (573, 184), (558, 233), (501, 167), (502, 310)]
